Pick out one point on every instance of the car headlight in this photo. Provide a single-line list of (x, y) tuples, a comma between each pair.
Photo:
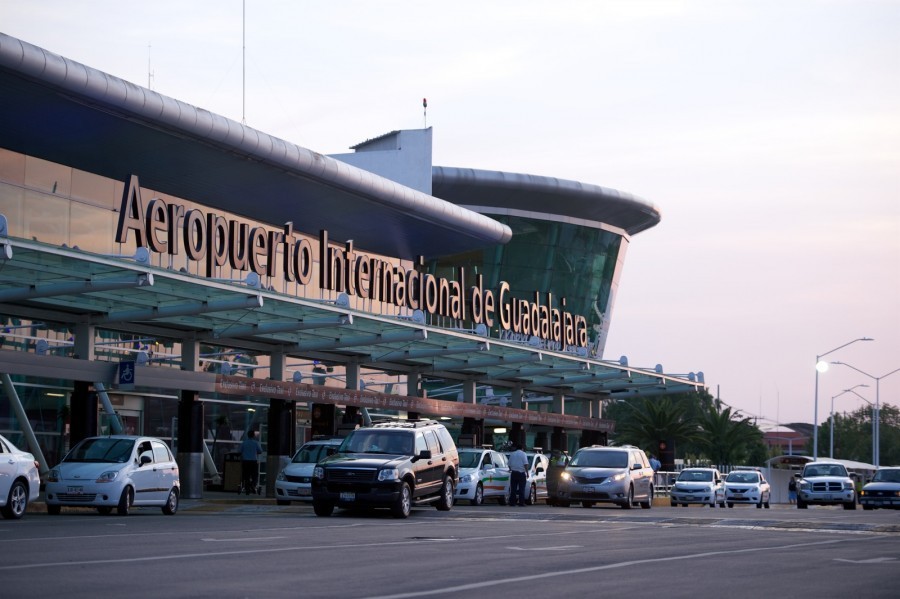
[(565, 476), (617, 477), (804, 485), (848, 486), (319, 473), (280, 476), (466, 478), (108, 476), (53, 476), (388, 474)]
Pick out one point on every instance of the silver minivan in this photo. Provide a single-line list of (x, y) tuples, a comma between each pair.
[(620, 475)]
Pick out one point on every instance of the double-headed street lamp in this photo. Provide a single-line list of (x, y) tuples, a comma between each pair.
[(822, 367), (833, 397), (876, 416)]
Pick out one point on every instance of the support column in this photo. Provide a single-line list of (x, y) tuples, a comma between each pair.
[(413, 389), (559, 440), (190, 429), (352, 414), (83, 406), (517, 434), (280, 443)]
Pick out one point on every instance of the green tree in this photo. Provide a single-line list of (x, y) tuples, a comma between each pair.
[(727, 437), (646, 421)]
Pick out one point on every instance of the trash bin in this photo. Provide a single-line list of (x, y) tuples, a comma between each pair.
[(231, 474)]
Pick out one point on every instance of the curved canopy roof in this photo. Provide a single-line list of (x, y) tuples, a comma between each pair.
[(478, 189), (63, 111)]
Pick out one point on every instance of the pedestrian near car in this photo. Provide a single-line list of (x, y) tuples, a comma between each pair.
[(655, 463), (250, 452), (518, 474), (792, 490)]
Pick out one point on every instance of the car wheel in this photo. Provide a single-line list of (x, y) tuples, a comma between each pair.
[(646, 505), (587, 504), (760, 504), (502, 499), (125, 501), (16, 502), (105, 510), (478, 497), (801, 505), (628, 503), (532, 496), (868, 507), (721, 504), (562, 503), (850, 505), (282, 502), (323, 509), (171, 503), (402, 506), (445, 502), (674, 504), (767, 503), (54, 510), (730, 504), (713, 504)]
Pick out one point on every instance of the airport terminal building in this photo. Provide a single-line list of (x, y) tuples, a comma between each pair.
[(170, 272)]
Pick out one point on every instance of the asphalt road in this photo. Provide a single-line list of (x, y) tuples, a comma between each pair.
[(255, 549)]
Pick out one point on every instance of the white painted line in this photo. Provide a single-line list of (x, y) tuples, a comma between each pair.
[(559, 548), (240, 539)]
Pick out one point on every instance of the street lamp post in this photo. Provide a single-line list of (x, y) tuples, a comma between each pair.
[(822, 367), (831, 437), (876, 417)]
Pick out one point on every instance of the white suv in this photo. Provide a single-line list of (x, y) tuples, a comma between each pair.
[(825, 483)]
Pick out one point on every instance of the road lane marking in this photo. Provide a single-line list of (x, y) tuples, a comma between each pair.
[(518, 579), (558, 548), (236, 539), (873, 560)]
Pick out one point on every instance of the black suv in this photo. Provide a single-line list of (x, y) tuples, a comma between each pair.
[(394, 465)]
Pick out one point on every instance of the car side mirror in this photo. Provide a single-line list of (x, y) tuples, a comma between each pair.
[(539, 469), (636, 466), (425, 454), (330, 450), (145, 459)]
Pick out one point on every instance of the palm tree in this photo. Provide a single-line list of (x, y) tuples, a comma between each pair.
[(727, 437), (651, 420)]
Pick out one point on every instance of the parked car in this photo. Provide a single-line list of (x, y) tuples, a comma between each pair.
[(392, 465), (115, 472), (483, 474), (620, 475), (698, 485), (556, 466), (883, 490), (747, 486), (293, 482), (20, 481), (825, 483)]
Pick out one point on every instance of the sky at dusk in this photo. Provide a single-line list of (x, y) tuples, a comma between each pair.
[(766, 131)]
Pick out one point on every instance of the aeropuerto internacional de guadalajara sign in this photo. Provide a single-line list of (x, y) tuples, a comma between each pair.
[(169, 228)]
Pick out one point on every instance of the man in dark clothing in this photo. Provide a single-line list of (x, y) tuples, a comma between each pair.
[(250, 452)]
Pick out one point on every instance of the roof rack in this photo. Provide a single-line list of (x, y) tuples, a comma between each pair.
[(405, 423)]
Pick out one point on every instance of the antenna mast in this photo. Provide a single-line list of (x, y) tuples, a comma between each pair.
[(425, 111), (149, 69)]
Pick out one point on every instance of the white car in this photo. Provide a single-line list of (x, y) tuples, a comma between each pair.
[(698, 485), (747, 486), (20, 481), (293, 482), (483, 474), (117, 471)]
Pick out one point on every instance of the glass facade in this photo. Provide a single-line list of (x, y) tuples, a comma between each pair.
[(573, 261)]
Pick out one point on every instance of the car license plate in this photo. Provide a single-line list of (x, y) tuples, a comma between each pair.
[(303, 492), (589, 489), (738, 495), (347, 496), (74, 490), (829, 497), (688, 497)]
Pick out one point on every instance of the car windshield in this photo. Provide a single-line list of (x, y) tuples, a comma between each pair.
[(742, 477), (102, 449), (378, 441), (696, 476), (469, 459), (311, 454), (824, 470), (887, 476), (600, 459)]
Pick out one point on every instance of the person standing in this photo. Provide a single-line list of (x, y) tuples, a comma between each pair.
[(655, 463), (518, 469), (250, 452), (792, 490)]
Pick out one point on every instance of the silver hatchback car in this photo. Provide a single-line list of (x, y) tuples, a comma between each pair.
[(620, 475)]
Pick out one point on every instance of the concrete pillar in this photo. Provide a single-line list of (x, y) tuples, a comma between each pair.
[(280, 442), (413, 389), (190, 429), (83, 406)]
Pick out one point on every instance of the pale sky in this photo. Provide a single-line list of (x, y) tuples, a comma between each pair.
[(766, 131)]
